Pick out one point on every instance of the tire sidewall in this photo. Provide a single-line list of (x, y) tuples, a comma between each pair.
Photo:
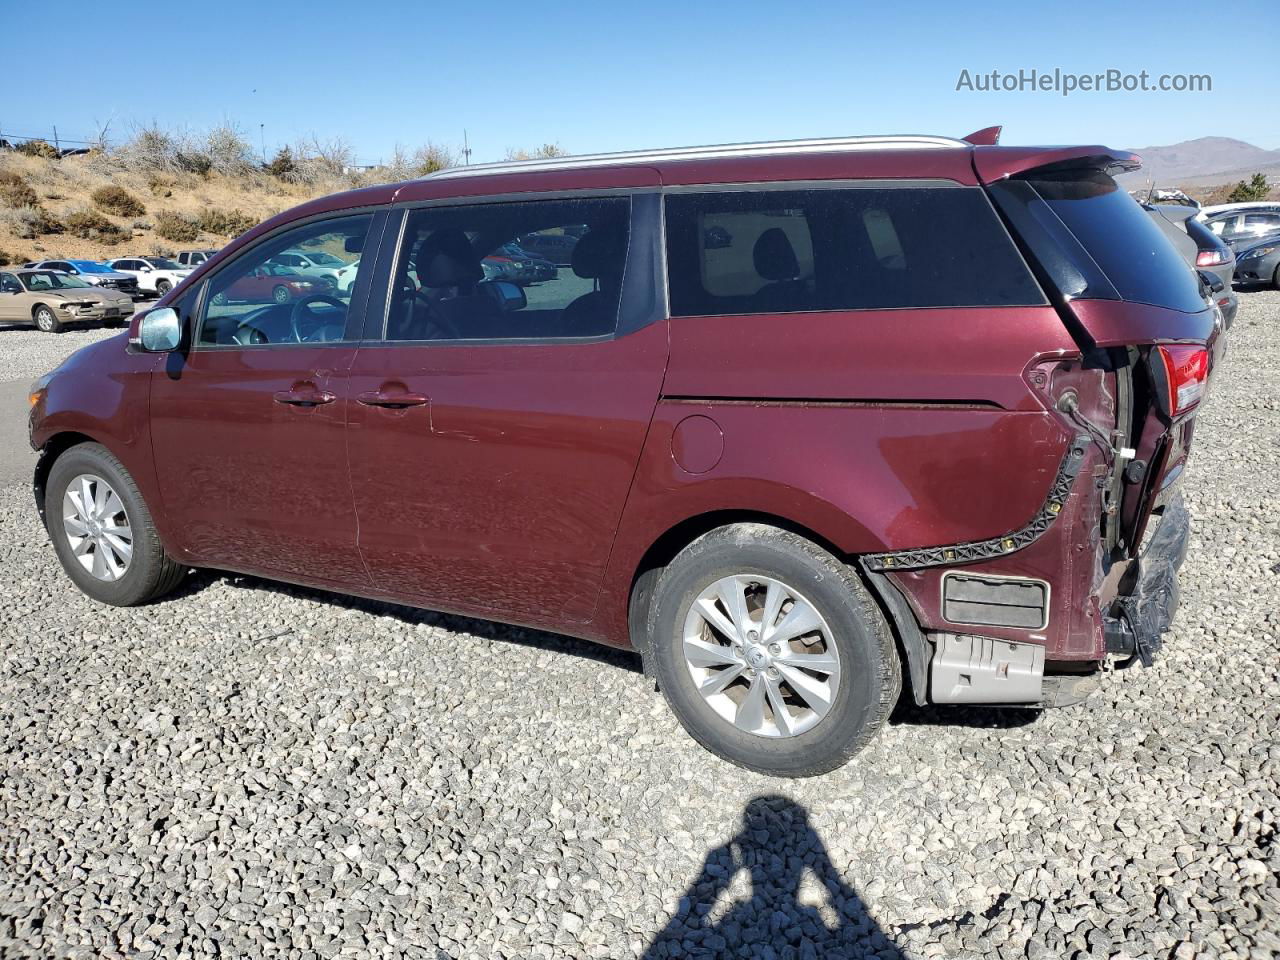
[(139, 579), (837, 597)]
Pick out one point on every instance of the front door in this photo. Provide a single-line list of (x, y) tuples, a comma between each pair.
[(248, 422), (495, 429)]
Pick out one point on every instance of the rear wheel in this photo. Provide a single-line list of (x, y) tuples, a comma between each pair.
[(771, 652), (46, 320), (102, 530)]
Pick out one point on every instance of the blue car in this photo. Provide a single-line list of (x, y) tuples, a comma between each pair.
[(91, 272)]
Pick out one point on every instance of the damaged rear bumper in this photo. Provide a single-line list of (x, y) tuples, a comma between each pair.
[(1138, 619)]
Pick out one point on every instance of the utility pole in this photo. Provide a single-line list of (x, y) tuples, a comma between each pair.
[(466, 149), (57, 146), (263, 136)]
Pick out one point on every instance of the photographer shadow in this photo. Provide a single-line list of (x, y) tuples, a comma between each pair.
[(772, 892)]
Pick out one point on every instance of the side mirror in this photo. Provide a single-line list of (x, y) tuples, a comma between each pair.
[(160, 331)]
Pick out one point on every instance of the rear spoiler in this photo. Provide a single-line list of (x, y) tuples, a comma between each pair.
[(993, 163)]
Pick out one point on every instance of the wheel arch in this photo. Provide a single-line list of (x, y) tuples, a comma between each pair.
[(53, 448), (911, 646), (37, 305)]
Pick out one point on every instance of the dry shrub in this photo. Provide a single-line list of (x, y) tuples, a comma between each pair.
[(91, 225), (117, 200), (29, 222), (15, 191), (178, 227), (38, 148), (225, 223)]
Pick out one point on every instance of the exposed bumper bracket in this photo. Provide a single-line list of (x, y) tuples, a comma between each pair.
[(1139, 620)]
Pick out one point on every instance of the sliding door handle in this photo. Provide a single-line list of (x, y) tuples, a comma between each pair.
[(304, 398), (394, 401)]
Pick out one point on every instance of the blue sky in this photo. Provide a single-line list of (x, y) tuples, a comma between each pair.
[(605, 76)]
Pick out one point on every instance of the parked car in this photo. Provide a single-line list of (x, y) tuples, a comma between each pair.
[(272, 282), (1202, 249), (193, 258), (1259, 262), (509, 261), (156, 275), (554, 247), (915, 424), (311, 263), (1244, 225), (53, 300), (90, 272), (346, 276)]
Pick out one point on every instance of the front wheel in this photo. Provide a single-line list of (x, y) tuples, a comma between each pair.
[(771, 652), (46, 321), (280, 294), (102, 530), (163, 287)]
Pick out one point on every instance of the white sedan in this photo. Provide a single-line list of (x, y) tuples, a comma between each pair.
[(156, 275)]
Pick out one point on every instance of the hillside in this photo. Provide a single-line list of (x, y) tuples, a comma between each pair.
[(216, 206), (1202, 163)]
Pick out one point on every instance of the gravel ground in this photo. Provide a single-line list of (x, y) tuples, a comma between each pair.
[(26, 353), (249, 770)]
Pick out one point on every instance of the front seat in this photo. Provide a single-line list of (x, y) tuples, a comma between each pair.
[(775, 261), (449, 268), (599, 255)]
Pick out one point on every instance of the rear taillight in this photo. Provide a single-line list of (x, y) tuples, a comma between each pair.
[(1210, 258), (1186, 373)]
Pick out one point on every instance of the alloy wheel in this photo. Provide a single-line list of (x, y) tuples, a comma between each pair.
[(761, 655), (97, 527)]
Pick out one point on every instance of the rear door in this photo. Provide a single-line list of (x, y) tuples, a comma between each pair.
[(494, 430), (248, 422)]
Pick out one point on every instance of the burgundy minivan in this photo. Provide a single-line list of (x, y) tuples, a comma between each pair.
[(797, 420)]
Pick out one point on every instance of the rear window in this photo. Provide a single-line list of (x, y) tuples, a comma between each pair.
[(1137, 258), (860, 248)]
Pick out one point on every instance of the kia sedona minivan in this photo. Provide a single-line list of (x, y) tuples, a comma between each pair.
[(916, 419)]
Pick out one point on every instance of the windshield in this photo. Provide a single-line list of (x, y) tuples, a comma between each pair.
[(88, 266), (163, 263), (326, 259), (48, 280)]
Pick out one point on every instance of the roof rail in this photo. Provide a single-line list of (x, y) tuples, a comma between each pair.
[(764, 148)]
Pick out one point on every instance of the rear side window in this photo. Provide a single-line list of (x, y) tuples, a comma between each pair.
[(1136, 257), (861, 248)]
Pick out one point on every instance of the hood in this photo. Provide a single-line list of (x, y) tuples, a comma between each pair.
[(1242, 246)]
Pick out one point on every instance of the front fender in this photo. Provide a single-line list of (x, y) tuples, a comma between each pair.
[(102, 393)]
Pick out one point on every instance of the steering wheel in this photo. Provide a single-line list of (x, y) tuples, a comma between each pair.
[(295, 315)]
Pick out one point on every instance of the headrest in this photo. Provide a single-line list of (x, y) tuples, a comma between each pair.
[(445, 259), (600, 253), (775, 258)]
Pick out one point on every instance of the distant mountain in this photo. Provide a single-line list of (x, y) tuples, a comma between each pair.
[(1202, 162)]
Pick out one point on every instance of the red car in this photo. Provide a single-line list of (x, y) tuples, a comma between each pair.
[(918, 421), (270, 282)]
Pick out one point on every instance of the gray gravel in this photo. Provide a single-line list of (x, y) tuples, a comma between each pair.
[(26, 353), (249, 770)]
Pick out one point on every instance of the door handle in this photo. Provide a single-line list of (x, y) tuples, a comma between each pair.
[(304, 398), (394, 401)]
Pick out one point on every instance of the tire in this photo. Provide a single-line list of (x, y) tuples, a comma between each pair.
[(280, 294), (149, 572), (1275, 279), (163, 287), (861, 690), (46, 320)]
